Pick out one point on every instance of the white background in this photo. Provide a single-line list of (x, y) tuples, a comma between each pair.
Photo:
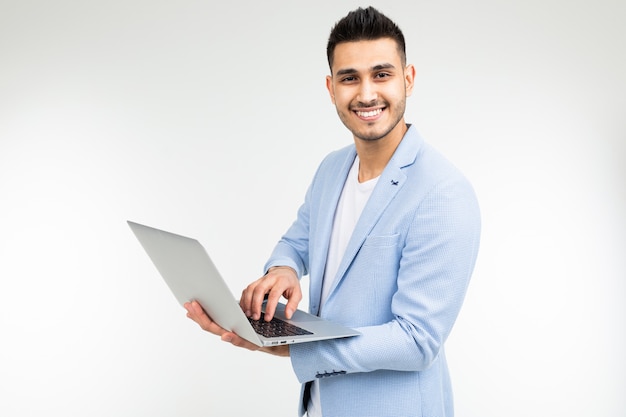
[(209, 120)]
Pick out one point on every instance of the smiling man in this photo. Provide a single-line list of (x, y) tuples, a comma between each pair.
[(369, 85), (388, 234)]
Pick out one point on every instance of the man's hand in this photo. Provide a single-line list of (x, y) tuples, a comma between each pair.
[(279, 281), (197, 314)]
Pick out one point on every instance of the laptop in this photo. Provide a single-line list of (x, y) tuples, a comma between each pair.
[(191, 275)]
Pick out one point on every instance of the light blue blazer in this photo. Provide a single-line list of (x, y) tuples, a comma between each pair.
[(401, 283)]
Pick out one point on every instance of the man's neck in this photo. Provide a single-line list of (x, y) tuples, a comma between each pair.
[(375, 154)]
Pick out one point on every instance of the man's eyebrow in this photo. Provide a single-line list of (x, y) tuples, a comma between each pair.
[(346, 71), (350, 71), (382, 67)]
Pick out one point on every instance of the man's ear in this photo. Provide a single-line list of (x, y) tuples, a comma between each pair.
[(409, 79), (330, 88)]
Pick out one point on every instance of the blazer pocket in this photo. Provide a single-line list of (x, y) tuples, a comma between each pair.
[(382, 241)]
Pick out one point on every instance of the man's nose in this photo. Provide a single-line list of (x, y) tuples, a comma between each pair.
[(367, 92)]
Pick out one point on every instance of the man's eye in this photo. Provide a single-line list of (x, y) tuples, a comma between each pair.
[(382, 75), (349, 79)]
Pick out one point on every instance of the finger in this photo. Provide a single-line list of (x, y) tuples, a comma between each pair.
[(292, 302), (272, 301), (292, 294), (258, 297), (197, 314), (238, 341), (245, 302)]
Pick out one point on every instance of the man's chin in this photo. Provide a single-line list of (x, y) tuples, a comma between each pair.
[(372, 134), (369, 138)]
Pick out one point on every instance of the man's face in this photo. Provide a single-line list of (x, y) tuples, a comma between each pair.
[(369, 86)]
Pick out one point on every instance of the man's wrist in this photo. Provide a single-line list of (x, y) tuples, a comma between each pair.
[(272, 268)]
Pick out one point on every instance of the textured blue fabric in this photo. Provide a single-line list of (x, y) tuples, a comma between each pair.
[(401, 283)]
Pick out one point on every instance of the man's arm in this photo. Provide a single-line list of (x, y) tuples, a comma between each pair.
[(418, 297)]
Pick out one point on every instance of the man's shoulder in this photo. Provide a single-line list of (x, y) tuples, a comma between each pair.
[(339, 157), (418, 156)]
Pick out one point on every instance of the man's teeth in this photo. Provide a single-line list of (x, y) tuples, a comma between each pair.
[(369, 113)]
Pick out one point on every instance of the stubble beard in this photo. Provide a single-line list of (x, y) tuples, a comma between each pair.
[(397, 112)]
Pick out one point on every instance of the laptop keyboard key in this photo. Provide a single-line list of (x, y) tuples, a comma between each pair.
[(276, 328)]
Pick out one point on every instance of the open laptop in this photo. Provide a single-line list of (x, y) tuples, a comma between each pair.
[(191, 275)]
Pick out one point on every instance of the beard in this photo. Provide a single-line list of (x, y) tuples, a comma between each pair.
[(375, 130)]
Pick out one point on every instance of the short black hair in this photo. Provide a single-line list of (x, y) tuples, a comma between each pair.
[(364, 25)]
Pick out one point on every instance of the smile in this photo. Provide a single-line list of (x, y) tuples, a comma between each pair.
[(371, 113)]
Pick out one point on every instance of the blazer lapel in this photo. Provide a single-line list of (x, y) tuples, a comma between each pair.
[(384, 192), (389, 184)]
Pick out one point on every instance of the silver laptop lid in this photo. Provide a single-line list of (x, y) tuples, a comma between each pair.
[(191, 275)]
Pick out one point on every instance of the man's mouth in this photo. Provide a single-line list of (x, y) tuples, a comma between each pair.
[(371, 113)]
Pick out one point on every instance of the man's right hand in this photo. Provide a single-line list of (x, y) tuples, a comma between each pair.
[(279, 281)]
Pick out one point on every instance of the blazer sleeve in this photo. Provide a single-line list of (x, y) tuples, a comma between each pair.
[(436, 260), (293, 248)]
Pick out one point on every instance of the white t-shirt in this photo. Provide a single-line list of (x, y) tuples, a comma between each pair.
[(351, 203)]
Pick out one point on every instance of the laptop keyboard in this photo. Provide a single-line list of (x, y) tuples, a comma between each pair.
[(276, 327)]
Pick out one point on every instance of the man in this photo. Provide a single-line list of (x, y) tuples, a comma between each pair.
[(388, 233)]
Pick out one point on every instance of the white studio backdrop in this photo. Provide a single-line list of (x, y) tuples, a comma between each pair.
[(209, 121)]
